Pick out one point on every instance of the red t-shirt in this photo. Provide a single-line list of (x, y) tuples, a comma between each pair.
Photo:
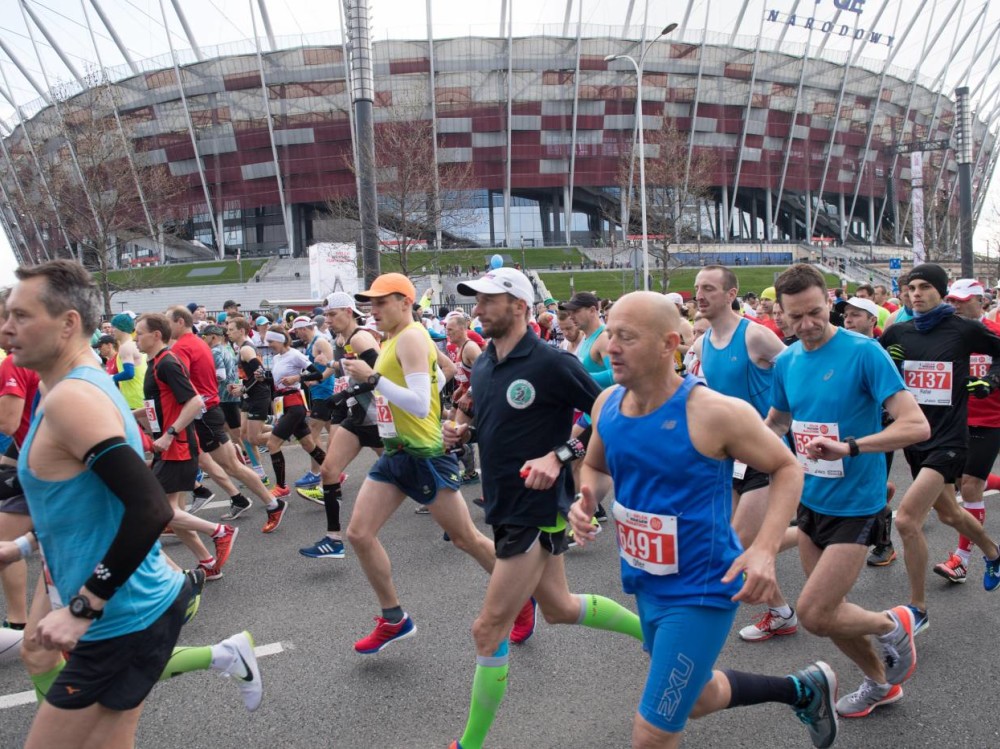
[(770, 324), (20, 383), (169, 387), (890, 306), (196, 355), (984, 412)]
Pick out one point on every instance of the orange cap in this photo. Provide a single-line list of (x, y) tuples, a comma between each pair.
[(389, 283)]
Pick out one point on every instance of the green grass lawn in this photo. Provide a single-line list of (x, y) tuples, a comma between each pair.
[(539, 258), (206, 274), (611, 284)]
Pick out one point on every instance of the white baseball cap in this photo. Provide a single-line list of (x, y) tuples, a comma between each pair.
[(674, 297), (302, 322), (964, 289), (501, 281), (341, 300), (866, 304)]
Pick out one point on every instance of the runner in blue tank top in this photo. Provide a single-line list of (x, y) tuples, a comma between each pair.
[(321, 414), (736, 355), (829, 391), (679, 555), (116, 605)]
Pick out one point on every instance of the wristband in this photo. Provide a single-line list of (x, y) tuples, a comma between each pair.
[(24, 545), (852, 446)]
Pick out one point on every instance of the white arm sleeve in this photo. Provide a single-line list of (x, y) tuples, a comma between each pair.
[(415, 398)]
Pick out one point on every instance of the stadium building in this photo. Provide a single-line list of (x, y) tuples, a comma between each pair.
[(769, 122)]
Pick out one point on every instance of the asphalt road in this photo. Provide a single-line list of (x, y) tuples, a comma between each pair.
[(569, 686)]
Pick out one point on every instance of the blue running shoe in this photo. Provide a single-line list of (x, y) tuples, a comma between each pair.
[(819, 715), (384, 633), (991, 578), (309, 480), (200, 477), (921, 620), (325, 548)]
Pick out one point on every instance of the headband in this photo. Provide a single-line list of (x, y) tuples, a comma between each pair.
[(273, 337)]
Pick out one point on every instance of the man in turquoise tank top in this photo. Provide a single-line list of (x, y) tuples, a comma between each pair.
[(666, 442), (736, 356), (116, 605)]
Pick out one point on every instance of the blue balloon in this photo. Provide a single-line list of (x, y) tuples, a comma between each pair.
[(496, 262)]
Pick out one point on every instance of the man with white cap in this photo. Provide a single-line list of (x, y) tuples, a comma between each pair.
[(861, 316), (966, 296), (415, 464), (526, 393), (319, 351), (685, 330)]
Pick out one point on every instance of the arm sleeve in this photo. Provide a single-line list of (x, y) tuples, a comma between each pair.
[(146, 513), (127, 373), (606, 378), (415, 398), (312, 374), (369, 357)]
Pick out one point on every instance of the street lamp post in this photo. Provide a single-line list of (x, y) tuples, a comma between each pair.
[(642, 146)]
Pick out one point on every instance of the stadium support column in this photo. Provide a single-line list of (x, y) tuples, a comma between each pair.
[(809, 220), (725, 213), (964, 154), (364, 103), (842, 218), (768, 214)]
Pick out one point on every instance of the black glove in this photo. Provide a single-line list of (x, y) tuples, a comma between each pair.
[(981, 387), (338, 399)]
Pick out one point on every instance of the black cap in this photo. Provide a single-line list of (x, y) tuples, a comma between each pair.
[(933, 274), (581, 299), (212, 330), (230, 303)]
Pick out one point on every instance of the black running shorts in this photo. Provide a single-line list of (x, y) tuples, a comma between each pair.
[(984, 444), (514, 540), (231, 412), (211, 429), (826, 530), (176, 475), (948, 461), (118, 673), (752, 479)]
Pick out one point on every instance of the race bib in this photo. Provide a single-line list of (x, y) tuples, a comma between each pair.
[(803, 433), (203, 409), (54, 598), (154, 423), (383, 417), (646, 541), (739, 470), (979, 365), (340, 384), (929, 381), (278, 407)]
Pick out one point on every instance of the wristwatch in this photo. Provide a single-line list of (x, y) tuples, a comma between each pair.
[(853, 449), (171, 431), (564, 453), (374, 378), (79, 606)]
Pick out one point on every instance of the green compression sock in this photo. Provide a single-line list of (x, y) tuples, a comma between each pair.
[(185, 660), (488, 689), (599, 612), (43, 682)]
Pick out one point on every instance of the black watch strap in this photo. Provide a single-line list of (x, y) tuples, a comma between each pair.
[(79, 606), (852, 446)]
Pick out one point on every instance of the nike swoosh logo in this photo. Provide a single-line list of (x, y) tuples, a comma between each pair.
[(246, 666)]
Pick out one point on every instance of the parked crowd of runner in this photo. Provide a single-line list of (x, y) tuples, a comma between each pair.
[(713, 432)]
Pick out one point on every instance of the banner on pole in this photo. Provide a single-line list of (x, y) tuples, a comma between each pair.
[(917, 204), (333, 266)]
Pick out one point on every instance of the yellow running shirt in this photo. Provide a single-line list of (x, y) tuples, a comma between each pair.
[(132, 389), (399, 429)]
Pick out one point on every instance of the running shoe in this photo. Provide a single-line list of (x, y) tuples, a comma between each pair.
[(224, 545), (197, 576), (454, 745), (899, 654), (211, 573), (236, 509), (384, 633), (422, 510), (770, 625), (470, 477), (343, 478), (312, 495), (479, 502), (524, 625), (168, 532), (953, 570), (280, 491), (243, 669), (921, 620), (274, 517), (199, 477), (601, 516), (309, 480), (991, 578), (882, 555), (819, 715), (572, 536), (200, 497), (325, 548), (868, 696)]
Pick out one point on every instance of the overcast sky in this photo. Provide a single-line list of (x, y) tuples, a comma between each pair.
[(228, 22)]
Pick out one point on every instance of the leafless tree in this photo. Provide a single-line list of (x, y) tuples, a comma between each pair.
[(90, 188), (413, 205)]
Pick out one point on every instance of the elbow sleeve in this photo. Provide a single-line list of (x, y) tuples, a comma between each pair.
[(127, 373)]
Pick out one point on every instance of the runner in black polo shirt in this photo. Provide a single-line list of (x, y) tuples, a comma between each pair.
[(932, 351), (526, 392)]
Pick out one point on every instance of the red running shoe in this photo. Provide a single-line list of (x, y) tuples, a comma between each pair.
[(384, 633), (524, 625), (224, 545)]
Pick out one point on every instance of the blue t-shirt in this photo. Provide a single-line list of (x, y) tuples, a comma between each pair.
[(837, 391)]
